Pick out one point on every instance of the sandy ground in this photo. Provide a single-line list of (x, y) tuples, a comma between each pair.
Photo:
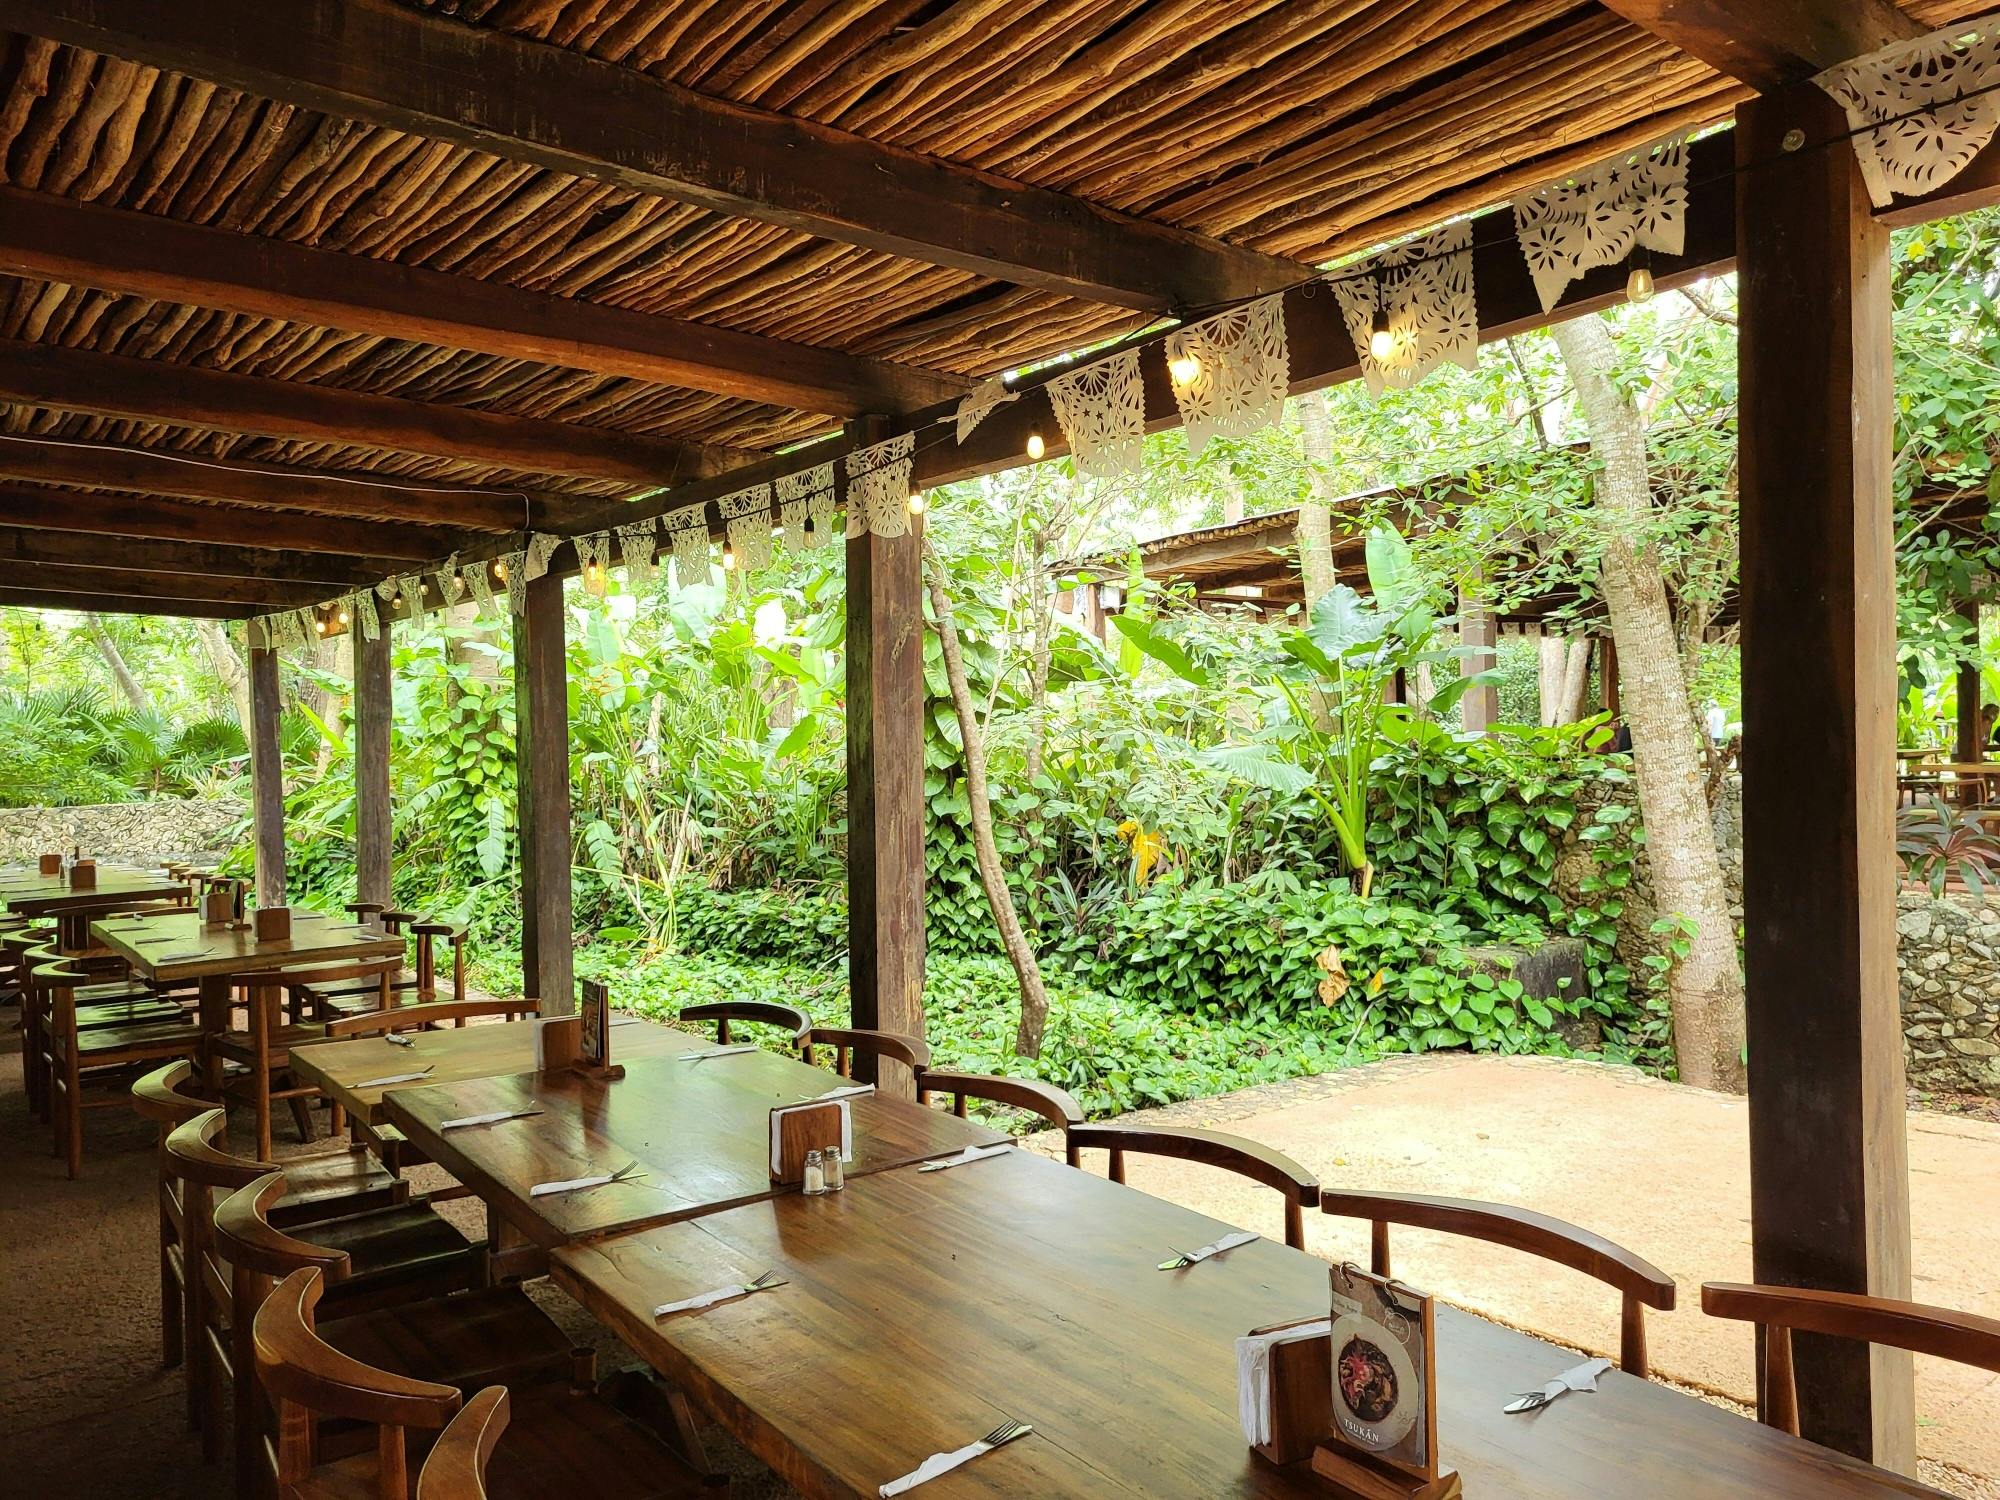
[(1662, 1169), (90, 1413)]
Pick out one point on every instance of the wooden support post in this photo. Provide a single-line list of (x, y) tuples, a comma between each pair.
[(541, 707), (1607, 675), (1480, 707), (267, 777), (1829, 1173), (885, 791), (373, 713), (1971, 745)]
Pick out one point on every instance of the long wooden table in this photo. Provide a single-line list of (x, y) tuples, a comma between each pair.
[(698, 1129), (925, 1308), (33, 894)]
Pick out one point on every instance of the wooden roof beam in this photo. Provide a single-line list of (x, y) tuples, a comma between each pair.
[(126, 604), (115, 385), (1772, 43), (417, 71), (22, 547), (67, 578), (105, 466), (221, 525), (149, 255)]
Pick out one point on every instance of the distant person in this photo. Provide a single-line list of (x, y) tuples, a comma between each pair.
[(1989, 725), (1621, 738), (1718, 723)]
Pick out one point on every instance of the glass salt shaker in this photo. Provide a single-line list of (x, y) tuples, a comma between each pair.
[(836, 1174), (815, 1173)]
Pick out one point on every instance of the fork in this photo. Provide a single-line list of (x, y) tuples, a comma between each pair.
[(944, 1463)]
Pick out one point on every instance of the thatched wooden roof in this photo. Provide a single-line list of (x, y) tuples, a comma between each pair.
[(590, 248)]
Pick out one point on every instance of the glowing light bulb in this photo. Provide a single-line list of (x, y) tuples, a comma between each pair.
[(1185, 368), (500, 571), (728, 560), (343, 617), (319, 626), (1381, 342), (916, 504), (1639, 285), (1036, 447)]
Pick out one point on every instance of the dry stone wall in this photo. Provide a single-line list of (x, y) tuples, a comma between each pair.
[(197, 831)]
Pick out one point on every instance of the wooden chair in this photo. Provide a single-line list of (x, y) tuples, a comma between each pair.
[(759, 1012), (848, 1042), (1045, 1099), (263, 1048), (390, 1278), (74, 1055), (1213, 1148), (99, 1002), (549, 1443), (158, 1097), (430, 1016), (1639, 1282), (1963, 1338), (456, 1468)]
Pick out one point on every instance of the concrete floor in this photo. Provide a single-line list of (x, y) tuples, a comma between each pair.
[(89, 1413), (1659, 1168)]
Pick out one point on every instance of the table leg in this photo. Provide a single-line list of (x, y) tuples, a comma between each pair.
[(510, 1255), (212, 1008)]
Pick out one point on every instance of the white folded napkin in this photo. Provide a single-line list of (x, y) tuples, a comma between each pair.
[(1581, 1377), (706, 1299), (1253, 1374), (174, 958), (376, 1083), (969, 1154), (571, 1184), (491, 1117), (718, 1051), (1227, 1242), (849, 1092), (936, 1464)]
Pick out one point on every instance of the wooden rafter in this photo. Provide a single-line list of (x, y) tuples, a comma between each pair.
[(22, 546), (223, 525), (126, 604), (379, 61), (149, 255), (114, 385), (70, 578), (1772, 43), (239, 481)]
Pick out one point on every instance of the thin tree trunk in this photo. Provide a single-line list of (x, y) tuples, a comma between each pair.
[(1314, 530), (1705, 988), (229, 670), (1041, 602), (136, 695), (1034, 998)]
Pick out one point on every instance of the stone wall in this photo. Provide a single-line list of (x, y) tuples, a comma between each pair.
[(1948, 954), (142, 832)]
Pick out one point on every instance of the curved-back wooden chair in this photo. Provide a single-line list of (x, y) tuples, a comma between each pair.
[(158, 1097), (456, 1468), (1639, 1283), (100, 1002), (1045, 1099), (756, 1012), (428, 935), (1213, 1148), (74, 1054), (564, 1443), (1962, 1338), (849, 1042)]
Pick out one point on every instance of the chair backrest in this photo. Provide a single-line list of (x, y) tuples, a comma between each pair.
[(306, 1377), (1214, 1148), (1045, 1099), (249, 1241), (456, 1467), (428, 934), (436, 1013), (158, 1097), (912, 1052), (1639, 1282), (758, 1012), (1963, 1338)]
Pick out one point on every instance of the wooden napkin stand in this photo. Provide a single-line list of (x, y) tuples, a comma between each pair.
[(83, 875), (51, 864), (801, 1130), (1352, 1474), (559, 1049)]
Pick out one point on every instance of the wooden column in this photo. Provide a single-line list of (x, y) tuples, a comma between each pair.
[(541, 708), (1480, 707), (373, 713), (1971, 744), (267, 777), (1829, 1176), (885, 789)]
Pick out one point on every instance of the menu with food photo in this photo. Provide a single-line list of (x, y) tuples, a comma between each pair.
[(1382, 1371)]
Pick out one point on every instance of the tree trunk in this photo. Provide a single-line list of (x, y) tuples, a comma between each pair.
[(229, 669), (1034, 998), (1705, 988), (136, 695), (1315, 532)]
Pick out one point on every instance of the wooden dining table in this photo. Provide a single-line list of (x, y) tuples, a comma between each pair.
[(698, 1128), (32, 894), (920, 1310)]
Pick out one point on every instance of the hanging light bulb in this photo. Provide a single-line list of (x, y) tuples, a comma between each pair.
[(500, 571), (1185, 368), (728, 560), (1036, 447), (593, 580), (917, 502), (1381, 342), (319, 624), (1639, 285)]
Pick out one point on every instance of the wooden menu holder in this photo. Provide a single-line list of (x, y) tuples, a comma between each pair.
[(274, 924), (1354, 1475), (83, 875), (593, 1034), (51, 864), (802, 1130), (1301, 1395), (217, 908)]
